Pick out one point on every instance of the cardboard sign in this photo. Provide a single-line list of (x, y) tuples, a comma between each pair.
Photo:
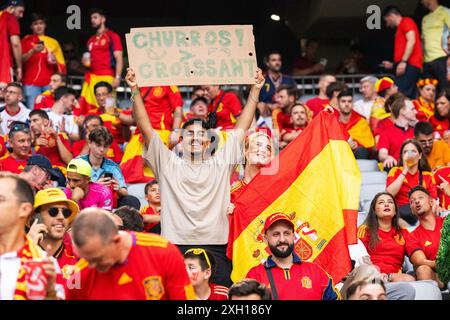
[(197, 55)]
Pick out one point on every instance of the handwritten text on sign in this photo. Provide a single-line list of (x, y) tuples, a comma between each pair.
[(192, 55)]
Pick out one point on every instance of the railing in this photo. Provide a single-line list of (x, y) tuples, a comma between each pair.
[(307, 84)]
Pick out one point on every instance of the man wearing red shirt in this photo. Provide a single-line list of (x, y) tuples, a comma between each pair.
[(48, 142), (355, 125), (46, 100), (105, 60), (151, 212), (10, 40), (427, 234), (408, 56), (117, 265), (19, 139), (286, 97), (289, 277), (53, 213), (317, 104), (392, 137), (42, 56), (226, 105)]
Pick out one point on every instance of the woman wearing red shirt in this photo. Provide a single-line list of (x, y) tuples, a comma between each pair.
[(440, 120), (413, 170), (384, 240)]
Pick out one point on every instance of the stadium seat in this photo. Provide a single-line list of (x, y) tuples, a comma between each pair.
[(368, 192), (426, 290), (368, 165), (375, 177), (137, 190)]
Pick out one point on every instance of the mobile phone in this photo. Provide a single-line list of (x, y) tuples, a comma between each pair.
[(108, 175), (39, 218)]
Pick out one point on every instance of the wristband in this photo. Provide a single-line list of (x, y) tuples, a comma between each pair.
[(134, 93)]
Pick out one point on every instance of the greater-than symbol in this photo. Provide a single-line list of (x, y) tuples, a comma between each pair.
[(185, 55)]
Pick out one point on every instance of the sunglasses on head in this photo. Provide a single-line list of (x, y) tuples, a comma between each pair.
[(53, 212), (198, 252), (22, 126)]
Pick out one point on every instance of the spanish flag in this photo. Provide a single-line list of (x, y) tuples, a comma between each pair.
[(5, 61), (53, 46), (317, 184), (359, 130), (133, 166), (88, 102)]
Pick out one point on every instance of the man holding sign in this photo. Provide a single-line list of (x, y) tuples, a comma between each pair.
[(196, 187)]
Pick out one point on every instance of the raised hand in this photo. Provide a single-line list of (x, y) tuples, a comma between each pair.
[(130, 78)]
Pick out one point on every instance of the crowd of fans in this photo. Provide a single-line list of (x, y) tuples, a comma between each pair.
[(67, 163)]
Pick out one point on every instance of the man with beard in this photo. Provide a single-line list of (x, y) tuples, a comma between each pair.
[(105, 61), (300, 117), (427, 234), (361, 139), (436, 151), (53, 213), (274, 78), (289, 277), (144, 266)]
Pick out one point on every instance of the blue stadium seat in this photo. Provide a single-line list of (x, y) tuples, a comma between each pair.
[(373, 177), (368, 165), (137, 190)]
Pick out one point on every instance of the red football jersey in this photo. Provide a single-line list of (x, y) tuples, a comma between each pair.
[(154, 270), (218, 292), (102, 50), (66, 258), (316, 105), (281, 121), (12, 164), (52, 153), (409, 182), (429, 239), (303, 281), (227, 110), (392, 138), (160, 103), (45, 100), (440, 126), (37, 70), (444, 199), (149, 210), (3, 149), (389, 253)]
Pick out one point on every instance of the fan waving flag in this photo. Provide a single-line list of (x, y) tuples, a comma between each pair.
[(317, 184)]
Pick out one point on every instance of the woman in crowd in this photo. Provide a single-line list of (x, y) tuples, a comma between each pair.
[(413, 170), (385, 241), (425, 102)]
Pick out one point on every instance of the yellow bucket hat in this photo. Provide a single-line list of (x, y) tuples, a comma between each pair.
[(54, 195)]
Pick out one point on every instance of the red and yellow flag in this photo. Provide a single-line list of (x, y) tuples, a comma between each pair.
[(5, 60), (359, 130), (88, 101), (133, 166), (53, 46), (317, 184)]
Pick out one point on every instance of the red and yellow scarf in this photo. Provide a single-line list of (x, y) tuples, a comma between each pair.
[(29, 251)]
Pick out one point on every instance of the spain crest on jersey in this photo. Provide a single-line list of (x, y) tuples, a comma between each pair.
[(306, 282), (153, 287)]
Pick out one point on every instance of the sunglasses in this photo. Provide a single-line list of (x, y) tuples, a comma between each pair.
[(53, 212), (199, 252)]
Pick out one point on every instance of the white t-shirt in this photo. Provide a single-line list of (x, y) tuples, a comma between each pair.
[(71, 126), (194, 196), (364, 107), (7, 119)]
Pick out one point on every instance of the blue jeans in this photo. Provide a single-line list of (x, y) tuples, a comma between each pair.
[(31, 92)]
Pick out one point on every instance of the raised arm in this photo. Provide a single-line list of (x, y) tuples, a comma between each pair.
[(139, 113), (248, 112)]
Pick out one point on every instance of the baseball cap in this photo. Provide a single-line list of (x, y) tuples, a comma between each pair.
[(54, 195), (383, 84), (274, 217), (43, 163), (80, 166)]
